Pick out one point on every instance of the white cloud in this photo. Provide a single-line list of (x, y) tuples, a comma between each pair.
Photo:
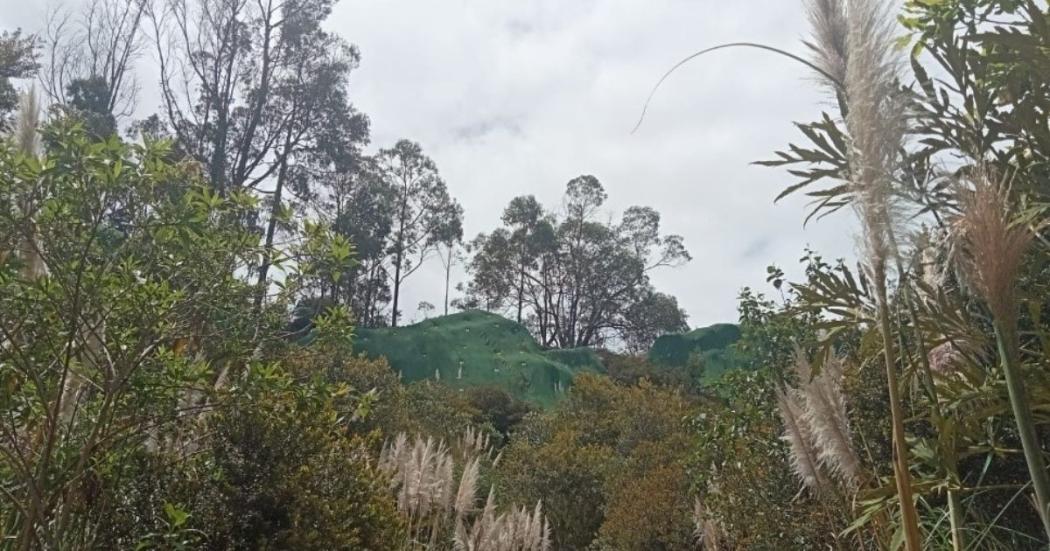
[(513, 98)]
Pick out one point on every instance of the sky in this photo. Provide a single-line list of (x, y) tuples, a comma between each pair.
[(513, 98)]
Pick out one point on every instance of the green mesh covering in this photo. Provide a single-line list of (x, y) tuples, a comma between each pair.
[(476, 349), (712, 346)]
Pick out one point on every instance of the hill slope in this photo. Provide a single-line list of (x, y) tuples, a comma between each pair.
[(712, 344), (477, 348)]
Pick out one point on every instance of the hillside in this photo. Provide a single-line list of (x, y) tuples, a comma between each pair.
[(712, 343), (477, 348)]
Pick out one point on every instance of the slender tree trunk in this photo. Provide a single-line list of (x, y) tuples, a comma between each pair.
[(217, 164), (271, 226), (397, 286), (521, 291), (448, 277), (370, 315), (400, 250)]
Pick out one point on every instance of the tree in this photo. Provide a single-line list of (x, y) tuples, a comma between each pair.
[(530, 232), (360, 207), (18, 59), (257, 92), (101, 350), (424, 215), (451, 253), (322, 135), (224, 65), (572, 277), (646, 320), (89, 69)]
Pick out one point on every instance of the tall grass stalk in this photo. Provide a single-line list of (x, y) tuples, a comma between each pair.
[(875, 121), (997, 246)]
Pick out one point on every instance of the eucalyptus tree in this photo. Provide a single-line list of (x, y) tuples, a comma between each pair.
[(226, 69), (571, 276), (320, 134), (359, 205), (258, 94), (424, 215)]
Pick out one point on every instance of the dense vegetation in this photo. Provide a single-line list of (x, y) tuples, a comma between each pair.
[(198, 311)]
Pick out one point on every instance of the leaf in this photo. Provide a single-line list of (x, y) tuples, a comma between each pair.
[(176, 516)]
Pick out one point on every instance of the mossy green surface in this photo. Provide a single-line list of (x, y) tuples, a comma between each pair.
[(712, 346), (477, 348)]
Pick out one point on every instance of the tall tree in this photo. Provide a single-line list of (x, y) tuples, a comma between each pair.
[(424, 215), (654, 315), (320, 134), (530, 231), (572, 277), (451, 254), (257, 92), (359, 204), (219, 62)]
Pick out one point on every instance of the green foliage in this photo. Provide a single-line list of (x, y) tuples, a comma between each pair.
[(147, 402), (743, 474), (121, 256), (704, 353), (498, 409), (600, 458), (287, 475), (276, 469)]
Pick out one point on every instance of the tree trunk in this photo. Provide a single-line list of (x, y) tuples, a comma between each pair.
[(271, 226), (448, 278), (521, 290), (397, 286)]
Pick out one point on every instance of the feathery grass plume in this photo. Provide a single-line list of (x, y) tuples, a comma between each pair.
[(800, 441), (876, 123), (27, 128), (824, 413), (516, 530), (468, 485), (422, 473), (935, 258), (474, 442), (828, 40), (944, 358), (27, 136), (997, 244)]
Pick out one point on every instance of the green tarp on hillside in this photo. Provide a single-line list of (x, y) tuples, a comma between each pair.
[(477, 348)]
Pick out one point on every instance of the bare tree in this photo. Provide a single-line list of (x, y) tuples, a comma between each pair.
[(90, 56), (451, 254), (218, 60)]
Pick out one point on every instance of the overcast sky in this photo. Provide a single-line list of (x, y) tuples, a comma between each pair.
[(518, 97)]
